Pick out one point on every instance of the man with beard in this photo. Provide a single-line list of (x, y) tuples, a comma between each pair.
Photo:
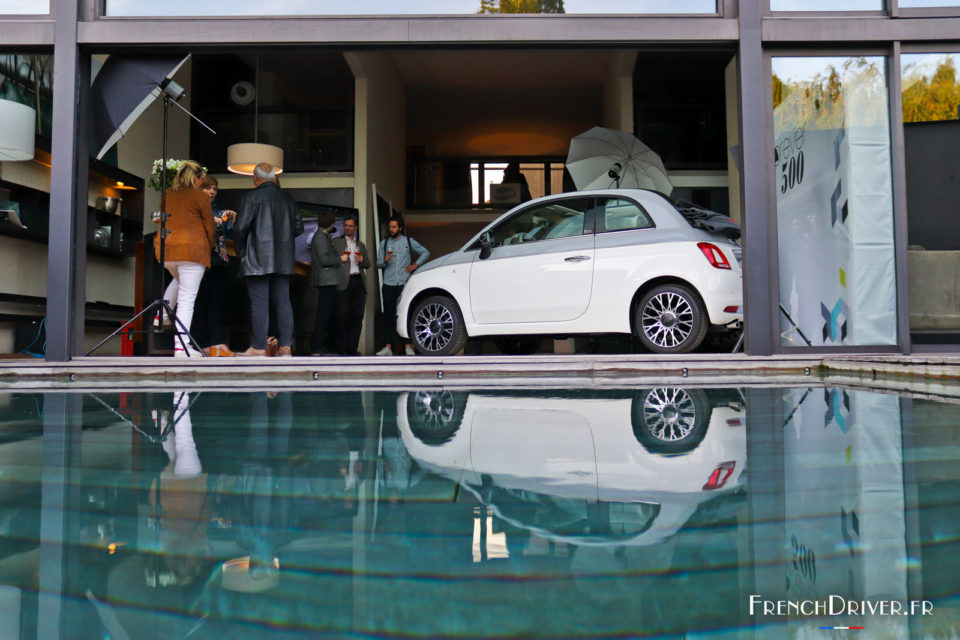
[(395, 257)]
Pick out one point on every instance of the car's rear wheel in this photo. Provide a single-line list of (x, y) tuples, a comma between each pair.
[(518, 345), (436, 327), (671, 318)]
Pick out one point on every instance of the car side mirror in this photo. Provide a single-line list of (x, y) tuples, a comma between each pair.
[(485, 246)]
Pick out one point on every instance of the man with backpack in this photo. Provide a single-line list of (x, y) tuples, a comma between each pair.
[(395, 257)]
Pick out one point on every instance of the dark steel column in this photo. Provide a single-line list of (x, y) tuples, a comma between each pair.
[(67, 259), (899, 174), (760, 293), (61, 433)]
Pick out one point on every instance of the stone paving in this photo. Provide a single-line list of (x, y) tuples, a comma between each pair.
[(937, 375)]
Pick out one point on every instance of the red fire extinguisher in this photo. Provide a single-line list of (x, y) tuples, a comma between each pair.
[(126, 342)]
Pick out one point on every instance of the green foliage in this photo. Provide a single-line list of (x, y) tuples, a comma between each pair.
[(521, 6), (852, 96)]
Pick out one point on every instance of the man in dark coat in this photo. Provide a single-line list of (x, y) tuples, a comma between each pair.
[(351, 297), (267, 222)]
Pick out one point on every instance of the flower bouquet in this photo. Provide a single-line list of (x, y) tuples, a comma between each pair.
[(172, 167)]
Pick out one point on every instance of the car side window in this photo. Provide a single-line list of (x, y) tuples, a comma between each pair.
[(619, 214), (559, 219)]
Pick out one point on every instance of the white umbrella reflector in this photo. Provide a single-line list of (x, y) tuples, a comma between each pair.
[(604, 158)]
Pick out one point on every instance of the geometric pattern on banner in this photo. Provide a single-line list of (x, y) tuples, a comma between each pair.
[(835, 321), (841, 134), (839, 409), (838, 210)]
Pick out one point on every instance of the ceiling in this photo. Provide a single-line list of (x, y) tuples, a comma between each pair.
[(511, 69)]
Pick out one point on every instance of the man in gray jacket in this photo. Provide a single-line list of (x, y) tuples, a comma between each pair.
[(324, 275), (267, 222)]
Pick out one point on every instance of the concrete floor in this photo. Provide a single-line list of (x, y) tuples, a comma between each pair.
[(937, 375)]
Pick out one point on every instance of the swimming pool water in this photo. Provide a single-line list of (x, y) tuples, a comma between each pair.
[(661, 512)]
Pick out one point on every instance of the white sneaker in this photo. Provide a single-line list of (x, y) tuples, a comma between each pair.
[(386, 351), (409, 351), (189, 353)]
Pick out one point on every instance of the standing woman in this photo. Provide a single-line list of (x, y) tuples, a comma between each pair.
[(207, 327), (190, 237)]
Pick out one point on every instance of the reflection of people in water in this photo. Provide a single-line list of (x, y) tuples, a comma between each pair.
[(168, 571), (512, 175), (180, 497)]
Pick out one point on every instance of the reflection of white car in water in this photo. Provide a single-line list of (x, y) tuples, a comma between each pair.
[(626, 466)]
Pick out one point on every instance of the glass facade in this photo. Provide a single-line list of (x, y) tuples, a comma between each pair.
[(418, 7), (931, 133), (907, 4), (24, 7), (826, 5), (834, 201)]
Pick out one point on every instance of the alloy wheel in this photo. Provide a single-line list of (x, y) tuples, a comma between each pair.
[(667, 319), (434, 326)]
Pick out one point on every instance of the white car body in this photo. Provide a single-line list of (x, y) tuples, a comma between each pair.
[(575, 448), (582, 284)]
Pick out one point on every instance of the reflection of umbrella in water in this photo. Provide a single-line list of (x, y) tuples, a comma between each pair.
[(124, 88), (604, 158)]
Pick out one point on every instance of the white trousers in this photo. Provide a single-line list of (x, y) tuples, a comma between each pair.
[(182, 290)]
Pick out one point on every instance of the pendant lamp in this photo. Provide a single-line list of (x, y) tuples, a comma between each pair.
[(243, 157), (17, 126)]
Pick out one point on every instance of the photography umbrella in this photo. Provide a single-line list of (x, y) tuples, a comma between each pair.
[(604, 158), (122, 91)]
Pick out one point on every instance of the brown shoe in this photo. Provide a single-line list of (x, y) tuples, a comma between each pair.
[(219, 350), (272, 346), (253, 352), (284, 352)]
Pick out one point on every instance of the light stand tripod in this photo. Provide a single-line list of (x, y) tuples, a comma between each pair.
[(170, 91)]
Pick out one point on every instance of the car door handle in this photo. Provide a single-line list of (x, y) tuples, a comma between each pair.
[(576, 258)]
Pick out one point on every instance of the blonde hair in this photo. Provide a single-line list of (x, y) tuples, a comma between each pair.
[(187, 176)]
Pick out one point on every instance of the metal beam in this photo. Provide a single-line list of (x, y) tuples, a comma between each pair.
[(849, 28), (898, 169), (66, 258), (760, 296), (16, 33), (561, 30)]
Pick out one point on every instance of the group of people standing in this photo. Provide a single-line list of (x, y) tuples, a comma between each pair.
[(263, 232)]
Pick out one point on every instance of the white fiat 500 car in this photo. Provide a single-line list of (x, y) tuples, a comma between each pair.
[(590, 262)]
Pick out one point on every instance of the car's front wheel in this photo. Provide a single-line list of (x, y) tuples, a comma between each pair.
[(671, 318), (436, 327)]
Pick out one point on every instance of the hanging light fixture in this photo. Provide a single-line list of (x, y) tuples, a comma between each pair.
[(17, 127), (243, 157)]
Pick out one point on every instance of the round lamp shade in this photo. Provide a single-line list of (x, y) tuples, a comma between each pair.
[(17, 126), (242, 158)]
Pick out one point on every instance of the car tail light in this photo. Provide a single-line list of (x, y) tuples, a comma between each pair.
[(714, 255), (720, 476)]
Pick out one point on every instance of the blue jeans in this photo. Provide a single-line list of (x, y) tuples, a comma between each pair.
[(272, 290)]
